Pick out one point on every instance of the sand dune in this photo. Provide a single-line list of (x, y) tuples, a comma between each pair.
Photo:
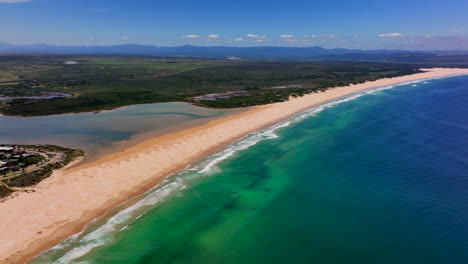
[(64, 203)]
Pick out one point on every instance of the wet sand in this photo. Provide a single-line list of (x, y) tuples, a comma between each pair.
[(64, 203)]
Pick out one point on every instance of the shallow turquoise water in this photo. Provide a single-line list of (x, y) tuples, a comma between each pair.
[(377, 178)]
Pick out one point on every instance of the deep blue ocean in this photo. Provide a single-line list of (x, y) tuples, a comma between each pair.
[(378, 177)]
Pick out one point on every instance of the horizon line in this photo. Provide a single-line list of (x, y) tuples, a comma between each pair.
[(227, 46)]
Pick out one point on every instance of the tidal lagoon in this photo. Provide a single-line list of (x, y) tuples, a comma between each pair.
[(105, 132)]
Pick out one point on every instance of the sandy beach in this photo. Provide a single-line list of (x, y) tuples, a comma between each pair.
[(64, 203)]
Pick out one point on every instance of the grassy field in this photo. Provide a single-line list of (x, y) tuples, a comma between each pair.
[(106, 82)]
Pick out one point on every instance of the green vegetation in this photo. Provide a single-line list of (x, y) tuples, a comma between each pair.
[(34, 169), (33, 160), (107, 82)]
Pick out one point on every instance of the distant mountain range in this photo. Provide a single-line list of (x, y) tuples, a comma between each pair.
[(217, 51)]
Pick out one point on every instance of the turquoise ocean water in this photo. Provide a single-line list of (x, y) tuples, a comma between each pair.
[(378, 177)]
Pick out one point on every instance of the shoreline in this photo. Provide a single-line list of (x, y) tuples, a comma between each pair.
[(66, 202), (114, 108), (133, 124)]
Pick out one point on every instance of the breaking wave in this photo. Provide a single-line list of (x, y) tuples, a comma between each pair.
[(103, 232)]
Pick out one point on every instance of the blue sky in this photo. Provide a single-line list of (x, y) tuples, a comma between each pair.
[(367, 24)]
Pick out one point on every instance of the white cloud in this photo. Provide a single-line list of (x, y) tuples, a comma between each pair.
[(14, 1), (191, 36), (213, 36), (391, 35), (257, 37), (286, 36), (238, 39), (328, 36), (124, 37)]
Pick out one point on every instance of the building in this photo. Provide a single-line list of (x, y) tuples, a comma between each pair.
[(6, 149)]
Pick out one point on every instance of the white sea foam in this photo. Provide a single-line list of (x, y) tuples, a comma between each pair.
[(245, 143), (84, 242), (210, 165)]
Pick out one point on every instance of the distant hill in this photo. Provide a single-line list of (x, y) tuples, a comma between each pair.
[(218, 51), (446, 59)]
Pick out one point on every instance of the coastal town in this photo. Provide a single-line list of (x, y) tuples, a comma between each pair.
[(22, 166), (15, 158)]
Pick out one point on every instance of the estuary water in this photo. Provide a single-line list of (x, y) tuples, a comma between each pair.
[(378, 177), (107, 131)]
